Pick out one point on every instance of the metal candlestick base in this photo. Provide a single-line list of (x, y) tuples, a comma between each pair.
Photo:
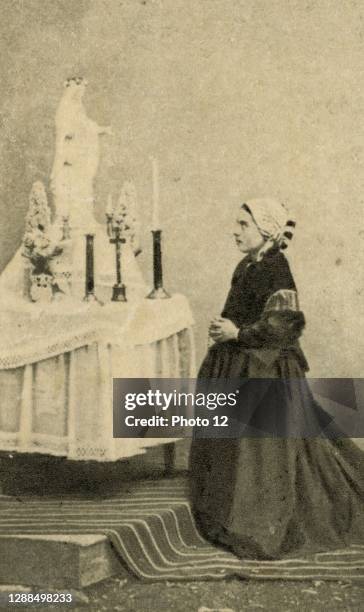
[(91, 297), (118, 293), (158, 294)]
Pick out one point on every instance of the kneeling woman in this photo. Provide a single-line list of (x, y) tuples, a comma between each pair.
[(264, 496)]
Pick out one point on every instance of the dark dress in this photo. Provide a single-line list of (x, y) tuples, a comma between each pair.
[(276, 493)]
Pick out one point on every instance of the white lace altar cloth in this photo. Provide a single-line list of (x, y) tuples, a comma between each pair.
[(56, 370)]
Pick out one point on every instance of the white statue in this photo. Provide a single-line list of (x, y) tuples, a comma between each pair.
[(76, 158), (72, 182)]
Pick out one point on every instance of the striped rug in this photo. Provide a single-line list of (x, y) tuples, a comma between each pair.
[(151, 527)]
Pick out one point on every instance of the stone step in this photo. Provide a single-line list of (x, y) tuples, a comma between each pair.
[(57, 561)]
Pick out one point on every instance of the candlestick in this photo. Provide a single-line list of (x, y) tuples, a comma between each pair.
[(155, 217), (90, 272), (158, 291), (118, 291)]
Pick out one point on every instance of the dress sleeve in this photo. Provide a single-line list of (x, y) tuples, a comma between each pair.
[(280, 325)]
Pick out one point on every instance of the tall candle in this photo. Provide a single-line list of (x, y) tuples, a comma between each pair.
[(155, 217)]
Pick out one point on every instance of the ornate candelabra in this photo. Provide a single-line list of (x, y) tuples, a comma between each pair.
[(120, 227), (158, 292), (118, 290)]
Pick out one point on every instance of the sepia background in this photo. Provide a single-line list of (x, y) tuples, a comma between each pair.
[(236, 99)]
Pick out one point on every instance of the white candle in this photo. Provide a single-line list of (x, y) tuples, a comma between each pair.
[(155, 217)]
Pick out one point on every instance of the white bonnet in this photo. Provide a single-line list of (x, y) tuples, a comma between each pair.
[(272, 219)]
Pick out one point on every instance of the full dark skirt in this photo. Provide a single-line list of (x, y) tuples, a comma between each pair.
[(266, 496)]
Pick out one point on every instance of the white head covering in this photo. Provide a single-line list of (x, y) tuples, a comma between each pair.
[(273, 222)]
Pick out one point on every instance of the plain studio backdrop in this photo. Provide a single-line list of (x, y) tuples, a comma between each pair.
[(236, 99)]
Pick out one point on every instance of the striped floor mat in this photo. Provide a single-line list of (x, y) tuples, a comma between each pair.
[(152, 529)]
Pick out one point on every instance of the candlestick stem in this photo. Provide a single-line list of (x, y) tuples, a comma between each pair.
[(90, 271), (119, 289), (158, 291)]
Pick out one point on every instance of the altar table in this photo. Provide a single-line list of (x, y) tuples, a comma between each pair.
[(57, 365)]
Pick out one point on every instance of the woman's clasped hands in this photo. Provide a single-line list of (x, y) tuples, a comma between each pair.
[(222, 330)]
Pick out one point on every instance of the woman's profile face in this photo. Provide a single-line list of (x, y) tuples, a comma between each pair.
[(247, 235)]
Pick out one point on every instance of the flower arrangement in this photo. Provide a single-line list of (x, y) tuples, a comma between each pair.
[(38, 247)]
